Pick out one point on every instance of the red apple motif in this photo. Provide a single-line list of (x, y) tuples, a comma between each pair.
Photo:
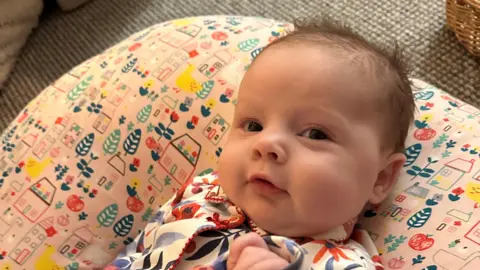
[(396, 263), (134, 47), (421, 242), (220, 36), (75, 203), (424, 134), (134, 204)]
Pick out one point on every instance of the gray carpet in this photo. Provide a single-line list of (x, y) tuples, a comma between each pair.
[(64, 40)]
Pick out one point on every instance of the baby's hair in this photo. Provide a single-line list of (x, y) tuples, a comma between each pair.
[(387, 66)]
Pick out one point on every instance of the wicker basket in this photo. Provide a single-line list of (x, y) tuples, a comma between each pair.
[(463, 16)]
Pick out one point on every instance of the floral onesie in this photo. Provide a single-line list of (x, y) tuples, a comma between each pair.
[(195, 229)]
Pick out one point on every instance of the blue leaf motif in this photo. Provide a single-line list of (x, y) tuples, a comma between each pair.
[(211, 234), (270, 242), (428, 170), (416, 168), (420, 218), (168, 238), (84, 145), (205, 250), (424, 95), (424, 175), (167, 136), (412, 153), (123, 226), (412, 172), (329, 264), (132, 142), (352, 266), (224, 247), (80, 166)]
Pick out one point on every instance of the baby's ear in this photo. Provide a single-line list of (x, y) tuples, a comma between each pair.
[(387, 178)]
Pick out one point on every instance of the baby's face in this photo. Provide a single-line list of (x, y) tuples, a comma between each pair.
[(303, 155)]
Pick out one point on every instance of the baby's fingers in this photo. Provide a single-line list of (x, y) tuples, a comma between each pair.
[(254, 258), (239, 245)]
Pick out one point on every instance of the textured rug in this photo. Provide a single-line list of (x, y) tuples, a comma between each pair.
[(64, 40)]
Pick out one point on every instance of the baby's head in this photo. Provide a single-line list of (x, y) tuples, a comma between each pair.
[(318, 130)]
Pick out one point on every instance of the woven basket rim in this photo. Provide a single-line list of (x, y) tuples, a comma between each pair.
[(473, 3)]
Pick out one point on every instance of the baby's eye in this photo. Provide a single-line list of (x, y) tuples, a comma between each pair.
[(252, 126), (315, 134)]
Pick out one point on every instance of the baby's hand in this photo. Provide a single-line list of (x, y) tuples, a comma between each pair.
[(250, 252)]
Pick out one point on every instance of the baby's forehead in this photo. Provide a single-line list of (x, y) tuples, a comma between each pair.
[(354, 72)]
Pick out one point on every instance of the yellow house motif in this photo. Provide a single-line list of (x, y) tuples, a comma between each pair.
[(451, 173)]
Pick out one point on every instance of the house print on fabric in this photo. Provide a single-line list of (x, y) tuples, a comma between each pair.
[(33, 240), (66, 83), (399, 209), (8, 222), (474, 234), (76, 243), (28, 141), (216, 129), (214, 64), (104, 119), (36, 200), (52, 136), (453, 171), (170, 65), (446, 260), (477, 176), (180, 158), (118, 94), (181, 36)]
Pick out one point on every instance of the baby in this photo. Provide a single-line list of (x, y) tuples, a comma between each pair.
[(318, 132)]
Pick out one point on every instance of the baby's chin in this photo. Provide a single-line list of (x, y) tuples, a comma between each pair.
[(282, 225)]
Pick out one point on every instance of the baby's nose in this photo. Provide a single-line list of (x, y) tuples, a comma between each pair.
[(270, 147)]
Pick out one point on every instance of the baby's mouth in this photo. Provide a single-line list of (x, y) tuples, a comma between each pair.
[(262, 183)]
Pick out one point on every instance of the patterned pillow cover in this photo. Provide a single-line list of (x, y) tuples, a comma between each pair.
[(89, 160)]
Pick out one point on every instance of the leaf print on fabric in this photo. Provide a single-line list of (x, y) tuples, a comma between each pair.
[(107, 216), (207, 87), (111, 143), (128, 66), (205, 249), (270, 242), (170, 264), (418, 259), (256, 52), (248, 44), (211, 234), (123, 226), (132, 142), (144, 113), (440, 140), (85, 145), (420, 218), (424, 95), (353, 266), (331, 248), (412, 153), (79, 88), (224, 247), (168, 238)]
